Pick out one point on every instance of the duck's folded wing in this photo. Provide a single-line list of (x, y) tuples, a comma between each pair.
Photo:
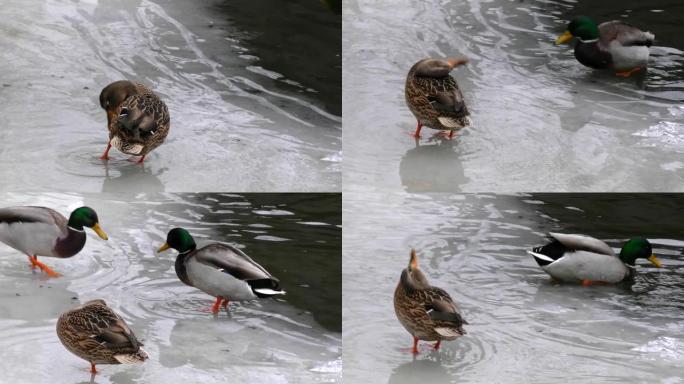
[(13, 215), (625, 34), (445, 311), (583, 243), (442, 307), (231, 260), (442, 310), (98, 322), (448, 102), (28, 215), (117, 336)]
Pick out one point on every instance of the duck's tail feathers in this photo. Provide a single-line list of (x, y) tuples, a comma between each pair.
[(642, 39), (649, 37), (265, 287), (450, 122), (133, 358), (540, 258), (450, 332), (268, 291)]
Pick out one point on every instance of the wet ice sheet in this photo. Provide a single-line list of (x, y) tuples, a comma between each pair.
[(523, 329), (241, 111), (296, 338), (542, 121)]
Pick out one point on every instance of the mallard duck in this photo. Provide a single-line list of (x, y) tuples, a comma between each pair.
[(612, 45), (428, 313), (137, 119), (579, 258), (433, 95), (220, 270), (41, 231), (94, 332)]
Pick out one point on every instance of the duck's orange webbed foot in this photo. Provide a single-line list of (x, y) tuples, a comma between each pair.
[(628, 73), (35, 263)]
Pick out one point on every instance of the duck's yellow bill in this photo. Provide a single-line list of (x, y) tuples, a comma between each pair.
[(654, 260), (100, 232), (564, 38), (413, 263), (163, 248)]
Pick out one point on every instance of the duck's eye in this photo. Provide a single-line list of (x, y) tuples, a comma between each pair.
[(124, 112)]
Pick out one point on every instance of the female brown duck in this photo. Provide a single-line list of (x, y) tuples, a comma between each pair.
[(137, 119), (427, 312), (94, 332), (433, 95)]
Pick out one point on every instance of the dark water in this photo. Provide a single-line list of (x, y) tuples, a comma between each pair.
[(295, 338), (522, 327)]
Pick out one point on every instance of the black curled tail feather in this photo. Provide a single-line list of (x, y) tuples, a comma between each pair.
[(554, 250)]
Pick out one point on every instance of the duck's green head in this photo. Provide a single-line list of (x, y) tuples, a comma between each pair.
[(86, 217), (638, 248), (180, 240), (581, 27)]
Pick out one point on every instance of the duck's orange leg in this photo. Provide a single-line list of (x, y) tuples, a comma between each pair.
[(225, 303), (142, 158), (587, 283), (105, 155), (628, 73), (437, 344), (43, 267), (217, 303), (31, 263), (92, 369), (415, 346), (417, 133)]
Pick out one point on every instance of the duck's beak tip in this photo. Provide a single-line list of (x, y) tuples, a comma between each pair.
[(413, 262), (565, 37), (654, 260), (100, 232)]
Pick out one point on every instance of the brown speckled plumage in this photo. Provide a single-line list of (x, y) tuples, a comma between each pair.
[(94, 332), (433, 95), (137, 119), (428, 313)]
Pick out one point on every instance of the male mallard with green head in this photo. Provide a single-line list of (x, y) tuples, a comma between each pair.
[(95, 333), (40, 231), (433, 95), (580, 258), (137, 119), (220, 270), (428, 313), (612, 45)]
